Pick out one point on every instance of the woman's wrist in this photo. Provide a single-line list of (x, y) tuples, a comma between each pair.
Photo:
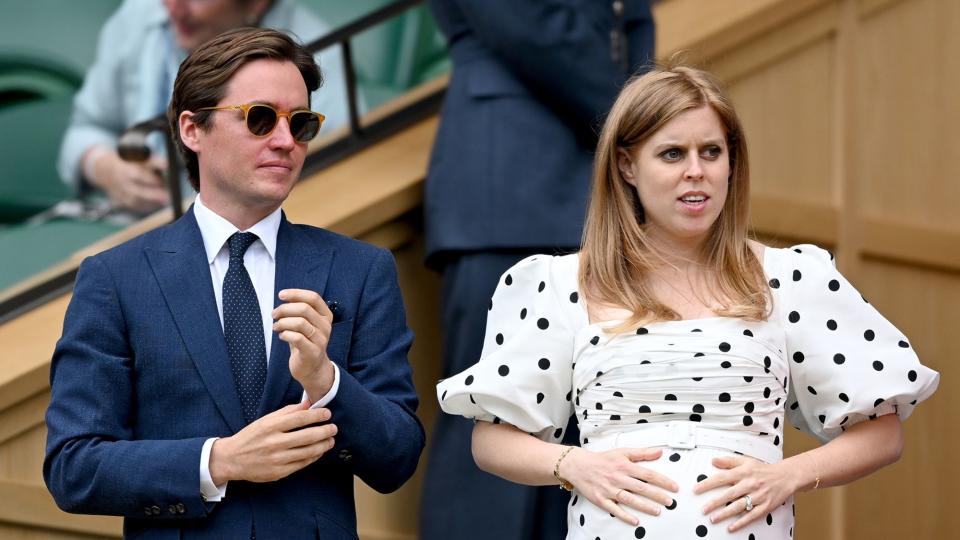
[(803, 473), (564, 467)]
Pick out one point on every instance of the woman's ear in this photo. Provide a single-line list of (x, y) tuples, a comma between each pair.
[(625, 166)]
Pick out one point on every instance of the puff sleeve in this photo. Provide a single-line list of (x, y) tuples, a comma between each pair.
[(847, 362), (524, 373)]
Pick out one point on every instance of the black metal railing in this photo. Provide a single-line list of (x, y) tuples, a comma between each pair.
[(358, 138)]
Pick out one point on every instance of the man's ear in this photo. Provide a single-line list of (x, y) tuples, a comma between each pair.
[(189, 131), (625, 165)]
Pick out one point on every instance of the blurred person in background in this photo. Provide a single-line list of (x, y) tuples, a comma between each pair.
[(509, 177), (131, 80)]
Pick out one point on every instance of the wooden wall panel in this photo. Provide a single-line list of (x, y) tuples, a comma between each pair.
[(787, 111), (908, 147), (21, 458), (915, 497)]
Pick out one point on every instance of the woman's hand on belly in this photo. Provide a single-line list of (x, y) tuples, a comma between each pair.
[(767, 485), (615, 478)]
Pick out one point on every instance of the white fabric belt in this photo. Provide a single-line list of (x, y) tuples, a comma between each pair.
[(689, 435)]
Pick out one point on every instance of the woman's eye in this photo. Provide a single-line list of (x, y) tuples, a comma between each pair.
[(712, 152), (672, 154)]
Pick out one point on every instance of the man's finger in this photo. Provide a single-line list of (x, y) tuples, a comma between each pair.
[(298, 341), (297, 324), (302, 310), (299, 418), (146, 177), (308, 297), (308, 436)]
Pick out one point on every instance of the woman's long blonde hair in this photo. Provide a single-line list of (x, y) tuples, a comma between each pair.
[(616, 256)]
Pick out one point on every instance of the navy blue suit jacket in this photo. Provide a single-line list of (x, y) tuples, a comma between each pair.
[(531, 82), (141, 377)]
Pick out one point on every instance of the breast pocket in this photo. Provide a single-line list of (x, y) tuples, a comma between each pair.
[(338, 348)]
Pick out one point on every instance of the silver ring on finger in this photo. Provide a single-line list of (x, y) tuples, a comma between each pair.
[(748, 506), (617, 496)]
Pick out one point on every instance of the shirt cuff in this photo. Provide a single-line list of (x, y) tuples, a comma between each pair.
[(332, 393), (208, 490)]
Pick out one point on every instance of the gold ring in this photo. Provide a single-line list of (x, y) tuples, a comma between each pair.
[(314, 328)]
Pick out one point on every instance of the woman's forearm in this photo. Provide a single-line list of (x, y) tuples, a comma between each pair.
[(509, 453), (859, 451)]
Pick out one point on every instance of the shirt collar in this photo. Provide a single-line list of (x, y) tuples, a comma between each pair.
[(216, 230)]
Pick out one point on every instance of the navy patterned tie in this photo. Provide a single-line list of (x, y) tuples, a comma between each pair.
[(243, 328)]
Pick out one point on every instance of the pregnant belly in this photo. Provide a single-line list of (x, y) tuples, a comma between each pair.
[(685, 518)]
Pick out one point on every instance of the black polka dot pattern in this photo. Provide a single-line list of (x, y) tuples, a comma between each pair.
[(823, 346)]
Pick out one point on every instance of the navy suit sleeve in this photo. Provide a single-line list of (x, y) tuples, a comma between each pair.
[(561, 54), (93, 463), (379, 435)]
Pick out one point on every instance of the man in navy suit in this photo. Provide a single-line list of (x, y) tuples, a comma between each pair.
[(227, 376), (509, 177)]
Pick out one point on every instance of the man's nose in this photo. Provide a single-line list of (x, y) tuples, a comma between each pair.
[(281, 136)]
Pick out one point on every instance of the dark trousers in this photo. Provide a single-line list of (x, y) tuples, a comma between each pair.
[(459, 500)]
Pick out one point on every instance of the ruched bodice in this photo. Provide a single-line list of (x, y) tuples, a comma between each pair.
[(724, 372)]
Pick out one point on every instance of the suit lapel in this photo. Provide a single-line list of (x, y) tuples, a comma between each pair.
[(180, 265), (301, 264)]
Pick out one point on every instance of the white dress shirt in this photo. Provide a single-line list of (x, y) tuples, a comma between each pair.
[(261, 263)]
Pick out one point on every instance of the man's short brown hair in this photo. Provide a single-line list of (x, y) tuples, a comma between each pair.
[(203, 77)]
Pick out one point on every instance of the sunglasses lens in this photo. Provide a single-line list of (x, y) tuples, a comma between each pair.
[(304, 126), (261, 120)]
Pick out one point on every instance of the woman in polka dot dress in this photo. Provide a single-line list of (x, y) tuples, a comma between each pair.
[(679, 344)]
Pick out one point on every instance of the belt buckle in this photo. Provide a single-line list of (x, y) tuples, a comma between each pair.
[(683, 435)]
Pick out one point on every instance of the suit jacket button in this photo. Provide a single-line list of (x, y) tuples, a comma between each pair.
[(180, 508), (172, 509), (155, 510), (146, 510), (345, 455)]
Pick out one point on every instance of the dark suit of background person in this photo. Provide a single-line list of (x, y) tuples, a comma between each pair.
[(141, 378), (509, 177)]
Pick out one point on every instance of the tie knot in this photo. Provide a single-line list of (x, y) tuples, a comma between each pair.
[(238, 244)]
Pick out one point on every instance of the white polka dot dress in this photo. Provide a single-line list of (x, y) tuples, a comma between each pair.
[(698, 388)]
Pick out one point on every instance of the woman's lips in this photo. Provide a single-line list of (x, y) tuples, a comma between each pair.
[(695, 204)]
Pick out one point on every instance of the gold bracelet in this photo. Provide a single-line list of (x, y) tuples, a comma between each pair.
[(816, 475), (564, 483)]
